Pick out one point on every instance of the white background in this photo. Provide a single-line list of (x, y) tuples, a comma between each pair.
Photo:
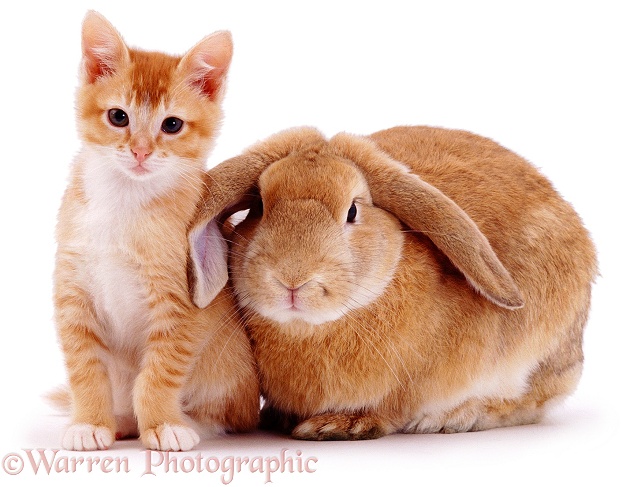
[(547, 79)]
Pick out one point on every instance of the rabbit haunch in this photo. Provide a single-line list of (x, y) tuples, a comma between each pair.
[(416, 280), (141, 358)]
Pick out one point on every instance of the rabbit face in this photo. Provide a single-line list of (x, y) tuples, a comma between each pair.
[(313, 248)]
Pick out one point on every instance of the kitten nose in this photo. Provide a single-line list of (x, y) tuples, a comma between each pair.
[(141, 153)]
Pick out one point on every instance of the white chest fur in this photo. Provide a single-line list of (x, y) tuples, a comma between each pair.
[(113, 278), (112, 271)]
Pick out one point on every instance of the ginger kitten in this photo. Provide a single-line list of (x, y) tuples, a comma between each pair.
[(141, 358)]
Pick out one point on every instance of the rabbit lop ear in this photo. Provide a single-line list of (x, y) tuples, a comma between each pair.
[(208, 262), (426, 209), (225, 186)]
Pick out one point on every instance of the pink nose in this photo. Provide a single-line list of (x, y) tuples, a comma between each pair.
[(141, 153)]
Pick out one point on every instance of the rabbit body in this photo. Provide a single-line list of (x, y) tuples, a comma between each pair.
[(372, 324)]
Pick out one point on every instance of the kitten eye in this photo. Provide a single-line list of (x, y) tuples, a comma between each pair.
[(118, 117), (172, 125), (352, 213)]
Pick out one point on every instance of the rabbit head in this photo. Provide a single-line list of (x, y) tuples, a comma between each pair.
[(325, 234)]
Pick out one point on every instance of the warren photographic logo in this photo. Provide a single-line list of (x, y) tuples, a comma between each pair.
[(57, 462)]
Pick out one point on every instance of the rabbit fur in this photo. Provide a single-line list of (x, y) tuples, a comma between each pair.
[(416, 280)]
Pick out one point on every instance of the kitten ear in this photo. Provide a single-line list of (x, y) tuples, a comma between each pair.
[(104, 50), (208, 266), (206, 65)]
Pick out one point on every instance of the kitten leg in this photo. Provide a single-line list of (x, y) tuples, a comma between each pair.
[(161, 422), (93, 423), (171, 352)]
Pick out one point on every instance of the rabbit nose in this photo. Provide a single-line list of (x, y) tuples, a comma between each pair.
[(293, 285), (291, 292), (293, 295)]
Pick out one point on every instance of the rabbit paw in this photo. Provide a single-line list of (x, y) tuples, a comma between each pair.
[(340, 427), (170, 437), (83, 437)]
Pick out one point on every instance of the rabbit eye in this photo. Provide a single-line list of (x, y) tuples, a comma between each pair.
[(172, 125), (118, 117), (256, 209), (352, 213)]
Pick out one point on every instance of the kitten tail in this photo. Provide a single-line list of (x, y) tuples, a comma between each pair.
[(60, 399)]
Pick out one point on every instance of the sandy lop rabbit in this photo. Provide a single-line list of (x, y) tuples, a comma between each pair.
[(416, 280)]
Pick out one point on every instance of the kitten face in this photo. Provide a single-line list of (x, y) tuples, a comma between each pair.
[(150, 120), (148, 115)]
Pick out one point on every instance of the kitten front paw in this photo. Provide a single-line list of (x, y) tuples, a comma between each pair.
[(84, 437), (170, 437)]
